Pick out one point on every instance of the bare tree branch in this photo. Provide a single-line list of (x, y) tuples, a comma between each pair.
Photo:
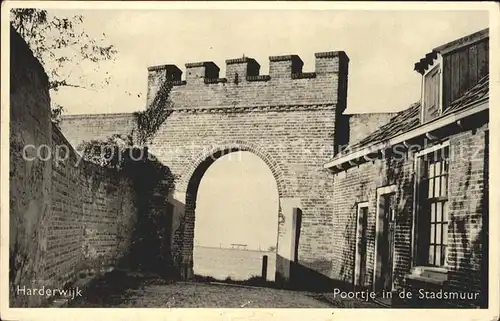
[(50, 37)]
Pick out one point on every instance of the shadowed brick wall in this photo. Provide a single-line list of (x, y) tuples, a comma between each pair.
[(30, 181), (92, 215), (63, 218)]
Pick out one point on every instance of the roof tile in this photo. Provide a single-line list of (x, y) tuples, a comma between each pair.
[(476, 93), (409, 118)]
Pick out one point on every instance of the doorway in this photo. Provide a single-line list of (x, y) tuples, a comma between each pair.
[(361, 246), (384, 241)]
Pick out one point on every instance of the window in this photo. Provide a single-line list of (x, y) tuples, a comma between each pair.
[(432, 233)]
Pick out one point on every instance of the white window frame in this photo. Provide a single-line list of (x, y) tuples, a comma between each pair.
[(414, 230), (438, 63), (357, 263)]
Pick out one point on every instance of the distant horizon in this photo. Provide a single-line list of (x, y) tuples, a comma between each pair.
[(235, 249), (237, 203)]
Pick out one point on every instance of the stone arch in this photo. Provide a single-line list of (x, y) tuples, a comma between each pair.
[(188, 187), (210, 155)]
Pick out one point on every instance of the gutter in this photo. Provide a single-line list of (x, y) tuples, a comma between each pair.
[(423, 129)]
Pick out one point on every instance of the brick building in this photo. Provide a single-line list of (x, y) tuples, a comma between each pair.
[(411, 198)]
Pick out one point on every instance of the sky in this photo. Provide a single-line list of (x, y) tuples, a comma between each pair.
[(249, 216), (382, 46)]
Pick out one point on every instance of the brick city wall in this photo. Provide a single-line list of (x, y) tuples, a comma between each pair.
[(185, 141), (286, 84), (63, 218), (287, 118), (291, 119), (80, 128)]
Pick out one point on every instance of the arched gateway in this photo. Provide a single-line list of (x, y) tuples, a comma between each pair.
[(292, 120), (188, 185)]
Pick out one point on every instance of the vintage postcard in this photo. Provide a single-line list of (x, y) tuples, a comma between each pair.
[(252, 160)]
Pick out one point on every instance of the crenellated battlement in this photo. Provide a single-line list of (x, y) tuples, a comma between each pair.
[(243, 84)]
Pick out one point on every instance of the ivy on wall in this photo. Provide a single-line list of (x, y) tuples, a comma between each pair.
[(108, 153), (151, 180), (56, 113), (151, 183), (150, 120)]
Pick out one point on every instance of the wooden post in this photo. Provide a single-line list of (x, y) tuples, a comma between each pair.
[(264, 268)]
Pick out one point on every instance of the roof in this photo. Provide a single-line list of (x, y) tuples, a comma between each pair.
[(423, 64), (409, 118), (478, 92), (462, 42)]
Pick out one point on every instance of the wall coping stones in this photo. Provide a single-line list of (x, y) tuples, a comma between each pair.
[(169, 67), (259, 78), (210, 64), (101, 115), (215, 80), (285, 58), (195, 64), (240, 60), (331, 54), (177, 82), (303, 75)]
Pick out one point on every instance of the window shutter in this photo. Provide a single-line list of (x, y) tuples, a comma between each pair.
[(431, 94)]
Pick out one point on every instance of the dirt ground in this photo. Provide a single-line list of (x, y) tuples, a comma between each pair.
[(121, 290)]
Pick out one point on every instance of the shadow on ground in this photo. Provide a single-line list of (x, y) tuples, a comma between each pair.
[(121, 289), (115, 288)]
